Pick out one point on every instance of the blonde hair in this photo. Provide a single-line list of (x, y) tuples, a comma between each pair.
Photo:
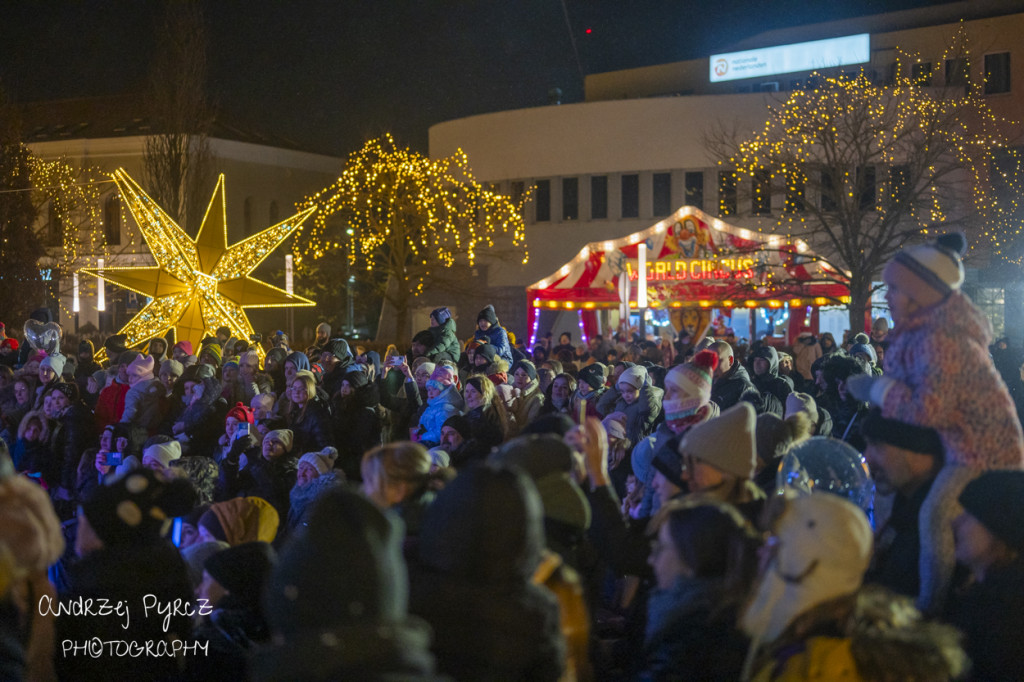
[(401, 462), (248, 356)]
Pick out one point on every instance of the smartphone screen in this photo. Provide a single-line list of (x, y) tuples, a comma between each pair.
[(115, 459), (176, 532), (243, 430)]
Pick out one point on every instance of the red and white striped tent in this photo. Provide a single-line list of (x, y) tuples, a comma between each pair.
[(693, 260)]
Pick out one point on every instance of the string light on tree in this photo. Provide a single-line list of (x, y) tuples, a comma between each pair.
[(197, 284)]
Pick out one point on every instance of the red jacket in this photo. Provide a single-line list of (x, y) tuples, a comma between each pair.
[(110, 405)]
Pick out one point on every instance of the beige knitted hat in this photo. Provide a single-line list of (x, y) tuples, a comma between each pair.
[(725, 442)]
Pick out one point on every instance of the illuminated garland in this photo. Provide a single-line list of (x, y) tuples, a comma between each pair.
[(408, 215), (197, 284)]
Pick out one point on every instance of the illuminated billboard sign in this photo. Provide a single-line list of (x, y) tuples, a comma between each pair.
[(817, 54)]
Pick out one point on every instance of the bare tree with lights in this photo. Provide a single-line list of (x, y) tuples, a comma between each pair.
[(20, 247), (177, 159), (866, 167), (406, 222)]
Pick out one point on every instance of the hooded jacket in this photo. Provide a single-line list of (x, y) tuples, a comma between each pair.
[(445, 404), (806, 350), (770, 381), (732, 387), (497, 337), (357, 427), (479, 546), (143, 404), (445, 344), (312, 427), (643, 413)]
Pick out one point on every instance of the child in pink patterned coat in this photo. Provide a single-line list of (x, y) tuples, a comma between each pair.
[(938, 374)]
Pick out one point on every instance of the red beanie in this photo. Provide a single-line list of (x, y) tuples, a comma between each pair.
[(241, 413)]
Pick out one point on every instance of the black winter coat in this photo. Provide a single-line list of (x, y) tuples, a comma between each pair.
[(989, 615), (311, 429), (732, 387)]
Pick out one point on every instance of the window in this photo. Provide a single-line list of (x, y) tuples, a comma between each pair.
[(247, 215), (54, 227), (662, 200), (770, 86), (518, 190), (274, 213), (921, 73), (866, 187), (899, 177), (112, 220), (795, 193), (997, 73), (570, 198), (727, 192), (631, 196), (599, 197), (956, 71), (761, 197), (1006, 168), (695, 189), (543, 203), (828, 191)]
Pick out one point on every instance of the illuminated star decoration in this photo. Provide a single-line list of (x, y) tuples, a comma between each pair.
[(197, 284)]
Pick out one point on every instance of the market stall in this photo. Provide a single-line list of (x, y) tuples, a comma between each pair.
[(699, 274)]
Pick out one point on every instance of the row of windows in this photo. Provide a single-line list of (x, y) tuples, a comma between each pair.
[(865, 181), (954, 72), (112, 221)]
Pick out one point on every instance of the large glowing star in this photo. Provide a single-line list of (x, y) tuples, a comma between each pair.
[(197, 284)]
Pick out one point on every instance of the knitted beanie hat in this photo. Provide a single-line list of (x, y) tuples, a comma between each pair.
[(635, 376), (726, 442), (100, 377), (116, 343), (442, 315), (141, 368), (919, 439), (526, 366), (54, 362), (68, 389), (615, 425), (994, 498), (489, 315), (593, 375), (866, 349), (801, 402), (322, 461), (488, 351), (284, 436), (692, 381), (669, 463), (85, 347), (460, 424), (10, 343), (171, 368), (241, 519), (242, 413), (165, 453), (185, 347), (136, 508), (928, 273), (338, 348), (211, 350), (427, 367), (243, 570)]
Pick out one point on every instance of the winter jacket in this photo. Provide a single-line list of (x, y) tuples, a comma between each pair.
[(143, 404), (485, 427), (204, 419), (445, 404), (128, 575), (805, 351), (445, 344), (642, 414), (691, 635), (497, 337), (732, 387), (232, 632), (527, 404), (770, 381), (110, 404), (301, 499), (988, 614), (271, 480), (311, 428), (865, 637), (357, 428), (894, 564), (402, 399), (479, 545), (945, 380), (73, 433)]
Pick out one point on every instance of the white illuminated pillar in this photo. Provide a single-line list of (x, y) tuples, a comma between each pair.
[(641, 280), (288, 281), (101, 297), (74, 293)]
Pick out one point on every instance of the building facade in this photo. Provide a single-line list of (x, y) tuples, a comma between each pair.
[(634, 151)]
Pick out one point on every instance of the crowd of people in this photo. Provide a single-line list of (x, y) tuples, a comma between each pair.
[(473, 509)]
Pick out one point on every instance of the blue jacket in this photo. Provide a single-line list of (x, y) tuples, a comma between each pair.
[(497, 337), (446, 404)]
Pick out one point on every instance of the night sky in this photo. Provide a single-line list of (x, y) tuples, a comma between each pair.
[(328, 75)]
